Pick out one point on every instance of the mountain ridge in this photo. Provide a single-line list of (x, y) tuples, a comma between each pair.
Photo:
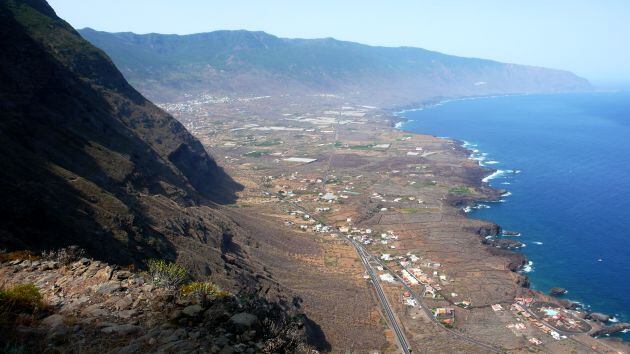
[(249, 63), (87, 160)]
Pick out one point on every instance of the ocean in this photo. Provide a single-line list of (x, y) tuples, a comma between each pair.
[(565, 160)]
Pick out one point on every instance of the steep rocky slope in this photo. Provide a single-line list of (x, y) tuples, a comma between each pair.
[(88, 160), (86, 306), (257, 63)]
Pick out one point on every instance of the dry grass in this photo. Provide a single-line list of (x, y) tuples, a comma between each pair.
[(22, 299), (17, 255)]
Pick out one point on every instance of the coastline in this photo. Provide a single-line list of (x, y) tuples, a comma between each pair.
[(399, 121)]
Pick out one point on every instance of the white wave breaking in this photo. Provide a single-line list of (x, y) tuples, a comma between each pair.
[(528, 268), (494, 175)]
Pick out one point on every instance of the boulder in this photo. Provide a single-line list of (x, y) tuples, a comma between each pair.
[(569, 305), (122, 329), (53, 321), (109, 288), (50, 265), (123, 274), (557, 291), (123, 304), (192, 310), (597, 316), (244, 319), (218, 313), (104, 274), (57, 333)]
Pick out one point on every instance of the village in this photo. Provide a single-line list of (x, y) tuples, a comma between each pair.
[(398, 200)]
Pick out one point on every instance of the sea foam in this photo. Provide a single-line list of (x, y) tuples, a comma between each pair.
[(494, 175), (529, 267)]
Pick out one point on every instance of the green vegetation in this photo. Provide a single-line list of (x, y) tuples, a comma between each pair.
[(19, 299), (203, 291), (340, 144), (23, 296), (174, 276), (332, 181), (423, 184), (361, 147), (301, 192), (15, 255), (461, 190), (269, 142), (411, 210), (330, 261), (254, 153), (167, 274)]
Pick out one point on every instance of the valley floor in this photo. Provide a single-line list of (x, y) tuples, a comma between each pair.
[(336, 181)]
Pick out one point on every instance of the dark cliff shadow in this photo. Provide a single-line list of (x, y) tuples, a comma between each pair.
[(204, 174), (62, 148), (315, 336)]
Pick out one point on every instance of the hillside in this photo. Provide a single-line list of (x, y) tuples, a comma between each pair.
[(87, 160), (256, 63)]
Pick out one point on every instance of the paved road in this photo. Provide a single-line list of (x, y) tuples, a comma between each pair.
[(400, 336), (365, 259), (418, 299)]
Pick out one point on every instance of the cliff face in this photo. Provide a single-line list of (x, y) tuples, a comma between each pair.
[(256, 63), (86, 159)]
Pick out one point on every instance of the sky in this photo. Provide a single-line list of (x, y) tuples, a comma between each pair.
[(588, 37)]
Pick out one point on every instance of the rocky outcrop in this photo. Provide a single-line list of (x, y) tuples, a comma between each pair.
[(569, 305), (502, 243), (616, 328), (557, 291), (597, 316), (86, 159), (89, 303), (492, 230)]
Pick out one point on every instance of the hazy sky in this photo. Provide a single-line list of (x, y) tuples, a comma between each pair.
[(588, 37)]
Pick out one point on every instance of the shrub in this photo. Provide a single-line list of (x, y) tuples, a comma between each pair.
[(203, 291), (64, 255), (16, 255), (23, 298), (167, 274)]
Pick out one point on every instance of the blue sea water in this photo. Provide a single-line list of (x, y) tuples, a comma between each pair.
[(571, 199)]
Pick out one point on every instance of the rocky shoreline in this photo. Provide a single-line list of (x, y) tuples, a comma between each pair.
[(507, 247)]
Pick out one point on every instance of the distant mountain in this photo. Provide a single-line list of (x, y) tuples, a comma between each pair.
[(86, 159), (242, 62)]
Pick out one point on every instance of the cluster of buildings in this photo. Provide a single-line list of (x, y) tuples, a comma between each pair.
[(446, 315), (409, 300), (519, 308), (382, 198)]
